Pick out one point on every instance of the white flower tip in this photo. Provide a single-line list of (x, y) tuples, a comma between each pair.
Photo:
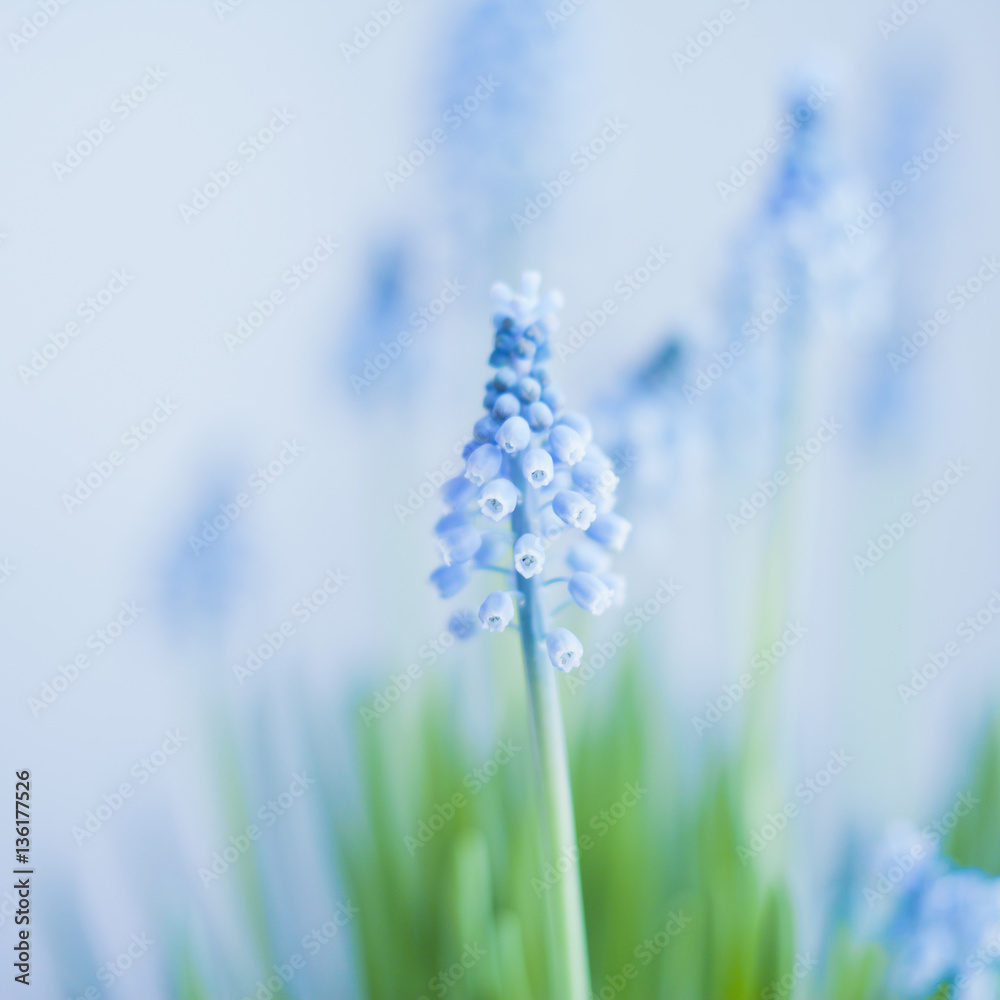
[(501, 293)]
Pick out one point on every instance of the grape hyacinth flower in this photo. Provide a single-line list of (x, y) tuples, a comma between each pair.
[(590, 592), (574, 508), (537, 467), (483, 464), (529, 555), (534, 461), (496, 611), (564, 649), (497, 499), (514, 435), (459, 544)]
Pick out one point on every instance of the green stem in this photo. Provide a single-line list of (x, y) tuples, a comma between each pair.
[(568, 961)]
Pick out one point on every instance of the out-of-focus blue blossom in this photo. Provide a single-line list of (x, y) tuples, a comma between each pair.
[(941, 924), (566, 444), (449, 580), (462, 624), (458, 492), (497, 611), (493, 550), (610, 530), (483, 464), (459, 544), (588, 557), (577, 422), (201, 587), (448, 522), (590, 593), (594, 479), (485, 429), (551, 457)]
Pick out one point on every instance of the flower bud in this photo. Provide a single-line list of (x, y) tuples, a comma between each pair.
[(539, 416), (524, 349), (528, 390), (504, 380), (507, 405), (514, 435), (485, 429)]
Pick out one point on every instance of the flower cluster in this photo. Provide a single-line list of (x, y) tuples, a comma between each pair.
[(942, 923), (531, 462)]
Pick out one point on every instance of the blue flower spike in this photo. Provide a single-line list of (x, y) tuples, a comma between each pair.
[(534, 462)]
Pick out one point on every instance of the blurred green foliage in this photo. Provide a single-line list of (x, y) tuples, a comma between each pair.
[(439, 851), (671, 908)]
